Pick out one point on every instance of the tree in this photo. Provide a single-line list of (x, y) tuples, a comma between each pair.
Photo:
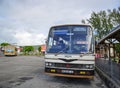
[(104, 21), (115, 16), (39, 48), (95, 22), (28, 49), (117, 49), (101, 22), (83, 21), (4, 44)]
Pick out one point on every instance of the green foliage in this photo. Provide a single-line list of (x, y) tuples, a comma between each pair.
[(117, 49), (28, 48), (104, 21), (115, 16), (4, 44), (83, 21), (39, 48), (101, 22)]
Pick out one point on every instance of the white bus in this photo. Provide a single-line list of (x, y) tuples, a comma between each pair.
[(70, 51)]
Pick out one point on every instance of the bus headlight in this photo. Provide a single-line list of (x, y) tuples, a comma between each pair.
[(46, 64), (89, 66), (49, 64)]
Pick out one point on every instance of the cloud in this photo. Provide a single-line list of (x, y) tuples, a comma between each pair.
[(28, 38), (23, 19), (7, 36)]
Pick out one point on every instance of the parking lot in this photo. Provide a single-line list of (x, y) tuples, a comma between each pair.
[(28, 72)]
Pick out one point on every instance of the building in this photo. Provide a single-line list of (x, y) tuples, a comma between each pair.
[(43, 48)]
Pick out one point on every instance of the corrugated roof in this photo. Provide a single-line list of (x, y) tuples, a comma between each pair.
[(114, 33)]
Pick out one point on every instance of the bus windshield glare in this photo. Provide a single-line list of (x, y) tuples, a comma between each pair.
[(70, 39)]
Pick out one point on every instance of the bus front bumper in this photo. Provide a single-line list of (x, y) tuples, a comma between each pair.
[(70, 73)]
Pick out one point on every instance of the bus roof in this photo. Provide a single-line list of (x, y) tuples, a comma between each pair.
[(71, 25)]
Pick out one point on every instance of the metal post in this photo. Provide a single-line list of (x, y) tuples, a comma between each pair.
[(114, 51), (111, 67), (109, 51)]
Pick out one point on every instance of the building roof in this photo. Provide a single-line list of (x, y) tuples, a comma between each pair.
[(113, 34)]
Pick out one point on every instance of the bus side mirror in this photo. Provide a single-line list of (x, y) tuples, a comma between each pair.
[(46, 41)]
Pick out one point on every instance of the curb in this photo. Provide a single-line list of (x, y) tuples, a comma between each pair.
[(108, 81)]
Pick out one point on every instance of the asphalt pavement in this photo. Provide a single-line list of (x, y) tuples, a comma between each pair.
[(28, 72)]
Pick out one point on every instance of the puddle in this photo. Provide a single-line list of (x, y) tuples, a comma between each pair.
[(25, 78), (19, 81)]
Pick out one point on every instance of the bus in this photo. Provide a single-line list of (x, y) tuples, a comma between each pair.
[(10, 50), (70, 51)]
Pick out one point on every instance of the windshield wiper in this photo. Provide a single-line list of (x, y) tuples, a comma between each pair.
[(61, 51)]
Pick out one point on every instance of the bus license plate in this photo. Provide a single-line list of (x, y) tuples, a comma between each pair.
[(67, 71)]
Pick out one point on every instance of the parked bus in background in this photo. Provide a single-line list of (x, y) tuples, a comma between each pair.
[(70, 51), (10, 50)]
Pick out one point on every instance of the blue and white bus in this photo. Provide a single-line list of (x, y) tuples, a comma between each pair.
[(70, 51)]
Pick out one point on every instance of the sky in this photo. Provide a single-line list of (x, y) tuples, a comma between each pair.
[(27, 22)]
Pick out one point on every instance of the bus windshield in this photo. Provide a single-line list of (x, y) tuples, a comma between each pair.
[(70, 39)]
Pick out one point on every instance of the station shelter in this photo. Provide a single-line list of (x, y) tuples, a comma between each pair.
[(108, 60), (105, 47)]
